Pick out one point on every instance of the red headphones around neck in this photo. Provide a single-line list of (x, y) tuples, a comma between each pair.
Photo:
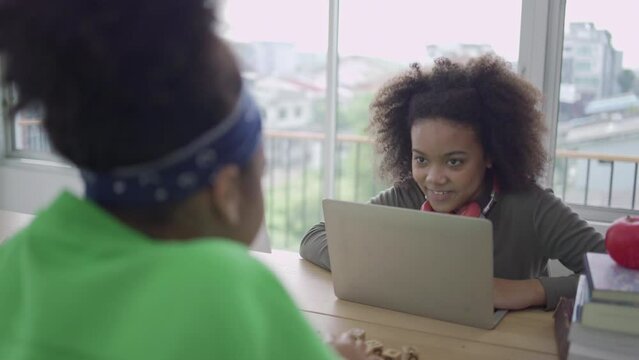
[(472, 209)]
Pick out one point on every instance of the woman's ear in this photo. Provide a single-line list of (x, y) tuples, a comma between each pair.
[(225, 194)]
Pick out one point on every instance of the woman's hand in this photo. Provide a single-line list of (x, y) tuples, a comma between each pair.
[(518, 294), (350, 349)]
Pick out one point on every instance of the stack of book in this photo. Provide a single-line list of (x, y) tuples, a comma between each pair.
[(605, 318)]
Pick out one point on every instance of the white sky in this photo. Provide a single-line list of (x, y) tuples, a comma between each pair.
[(402, 30), (619, 17)]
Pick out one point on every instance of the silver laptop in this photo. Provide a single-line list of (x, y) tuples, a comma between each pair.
[(423, 263)]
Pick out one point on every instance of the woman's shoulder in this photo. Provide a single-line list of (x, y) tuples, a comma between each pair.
[(211, 261), (405, 194), (533, 196), (225, 254), (530, 192)]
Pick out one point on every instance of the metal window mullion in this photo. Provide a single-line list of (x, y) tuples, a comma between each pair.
[(563, 189), (304, 171), (540, 53), (612, 173), (6, 128), (357, 159), (4, 119), (287, 192), (271, 180), (587, 183), (331, 100), (634, 188)]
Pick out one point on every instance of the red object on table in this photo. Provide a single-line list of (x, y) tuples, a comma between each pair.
[(622, 241)]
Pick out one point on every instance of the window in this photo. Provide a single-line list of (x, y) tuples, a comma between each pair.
[(29, 133), (282, 114), (583, 50), (315, 65), (374, 47), (288, 71), (26, 135), (582, 66), (598, 121), (281, 45)]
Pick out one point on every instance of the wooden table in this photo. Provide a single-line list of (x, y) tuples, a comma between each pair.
[(520, 335), (525, 334)]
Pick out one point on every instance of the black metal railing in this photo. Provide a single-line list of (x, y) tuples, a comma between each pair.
[(294, 179), (613, 184)]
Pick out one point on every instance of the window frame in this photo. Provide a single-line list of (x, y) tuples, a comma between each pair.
[(540, 57), (8, 151), (540, 60)]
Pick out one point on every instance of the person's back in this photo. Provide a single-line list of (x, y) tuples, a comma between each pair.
[(152, 263), (77, 284)]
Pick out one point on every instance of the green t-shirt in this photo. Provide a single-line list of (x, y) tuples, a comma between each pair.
[(78, 284)]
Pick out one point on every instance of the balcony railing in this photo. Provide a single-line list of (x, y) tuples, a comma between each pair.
[(596, 179), (293, 182), (581, 178)]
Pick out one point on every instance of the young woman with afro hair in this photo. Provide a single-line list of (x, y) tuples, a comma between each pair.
[(467, 139)]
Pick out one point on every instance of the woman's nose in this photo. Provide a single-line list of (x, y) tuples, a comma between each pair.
[(436, 176)]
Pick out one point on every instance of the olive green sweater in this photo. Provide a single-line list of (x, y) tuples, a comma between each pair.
[(529, 228)]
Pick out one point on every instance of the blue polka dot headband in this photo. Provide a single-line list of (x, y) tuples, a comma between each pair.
[(184, 171)]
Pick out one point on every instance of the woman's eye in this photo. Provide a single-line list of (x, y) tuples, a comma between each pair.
[(455, 162), (420, 159)]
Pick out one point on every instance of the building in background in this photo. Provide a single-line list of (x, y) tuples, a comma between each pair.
[(458, 51), (590, 63), (596, 115)]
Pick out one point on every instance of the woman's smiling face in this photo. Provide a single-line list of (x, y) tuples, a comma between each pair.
[(448, 162)]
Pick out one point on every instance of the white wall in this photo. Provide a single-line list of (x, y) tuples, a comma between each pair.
[(28, 188)]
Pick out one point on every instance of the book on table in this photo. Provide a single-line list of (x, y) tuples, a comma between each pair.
[(610, 301), (610, 282), (588, 342)]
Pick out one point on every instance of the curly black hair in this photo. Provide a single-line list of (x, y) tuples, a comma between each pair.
[(484, 94), (121, 82)]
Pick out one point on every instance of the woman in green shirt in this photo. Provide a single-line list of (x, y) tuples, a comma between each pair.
[(148, 103)]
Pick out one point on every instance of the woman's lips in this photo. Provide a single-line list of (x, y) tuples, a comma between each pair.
[(439, 196)]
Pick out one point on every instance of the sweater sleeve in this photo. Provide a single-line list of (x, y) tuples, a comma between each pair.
[(566, 237), (314, 246)]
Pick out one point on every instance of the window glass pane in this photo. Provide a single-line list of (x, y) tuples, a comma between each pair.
[(598, 128), (28, 132), (281, 46), (378, 39)]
